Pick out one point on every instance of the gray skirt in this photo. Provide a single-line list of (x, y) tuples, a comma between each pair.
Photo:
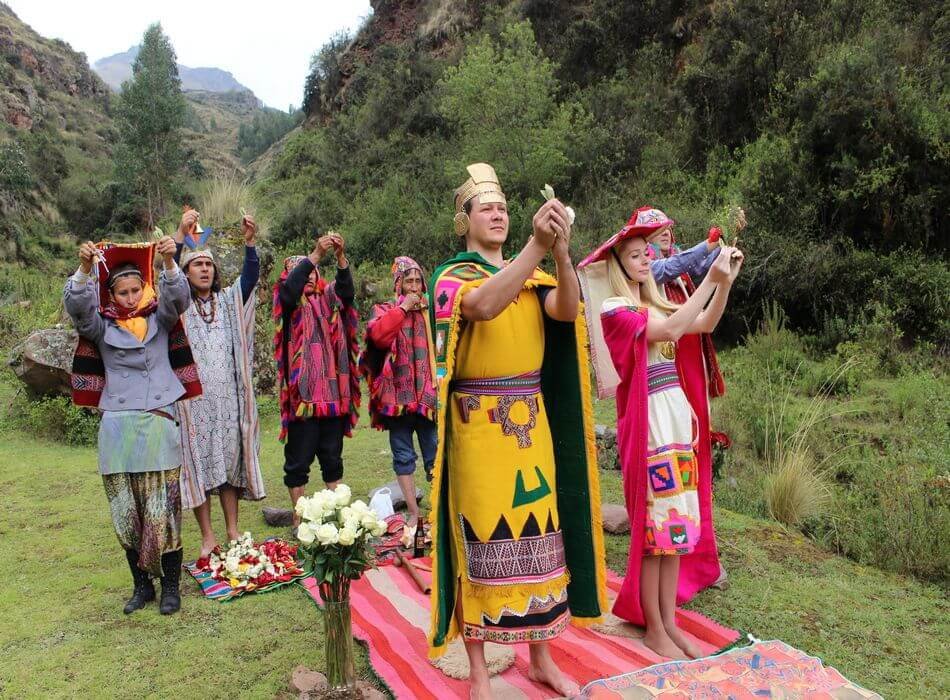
[(132, 442)]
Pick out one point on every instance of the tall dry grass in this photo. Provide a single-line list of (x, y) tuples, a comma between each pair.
[(221, 200), (797, 484)]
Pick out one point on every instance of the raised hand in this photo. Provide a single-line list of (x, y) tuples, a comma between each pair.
[(189, 219), (339, 246), (323, 245), (550, 222), (87, 256), (735, 264), (719, 270), (165, 247), (249, 229)]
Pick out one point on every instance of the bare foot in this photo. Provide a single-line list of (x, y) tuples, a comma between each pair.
[(207, 546), (660, 642), (683, 642), (546, 672), (480, 689), (232, 536)]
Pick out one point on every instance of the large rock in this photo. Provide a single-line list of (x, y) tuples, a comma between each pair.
[(42, 361), (303, 680), (615, 518)]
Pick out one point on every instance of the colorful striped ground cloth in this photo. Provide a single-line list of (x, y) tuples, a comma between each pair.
[(763, 670), (391, 615)]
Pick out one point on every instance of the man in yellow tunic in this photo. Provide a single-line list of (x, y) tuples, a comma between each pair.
[(517, 540)]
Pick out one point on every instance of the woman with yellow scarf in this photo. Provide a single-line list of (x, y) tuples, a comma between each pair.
[(133, 363)]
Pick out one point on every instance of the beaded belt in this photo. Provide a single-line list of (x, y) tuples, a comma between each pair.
[(662, 376), (514, 385)]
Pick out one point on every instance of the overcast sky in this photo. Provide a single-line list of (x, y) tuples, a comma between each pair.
[(266, 45)]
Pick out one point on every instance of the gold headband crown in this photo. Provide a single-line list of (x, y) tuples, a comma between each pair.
[(482, 183)]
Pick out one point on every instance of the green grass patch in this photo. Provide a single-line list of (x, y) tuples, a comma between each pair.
[(64, 634)]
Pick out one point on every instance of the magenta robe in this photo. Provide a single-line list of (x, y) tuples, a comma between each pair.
[(626, 338)]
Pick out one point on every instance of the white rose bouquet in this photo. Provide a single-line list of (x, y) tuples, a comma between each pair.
[(335, 535)]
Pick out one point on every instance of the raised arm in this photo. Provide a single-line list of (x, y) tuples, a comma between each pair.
[(491, 298), (251, 271), (563, 303), (174, 292), (709, 318), (681, 321), (188, 221), (80, 299), (695, 262)]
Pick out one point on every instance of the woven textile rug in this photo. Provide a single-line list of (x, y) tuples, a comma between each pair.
[(763, 670), (391, 615)]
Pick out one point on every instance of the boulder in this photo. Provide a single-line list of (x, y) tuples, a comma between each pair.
[(278, 517), (396, 493), (305, 681), (615, 518), (370, 692), (42, 361)]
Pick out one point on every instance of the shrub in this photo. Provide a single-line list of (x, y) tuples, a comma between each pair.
[(501, 99), (15, 174), (54, 418)]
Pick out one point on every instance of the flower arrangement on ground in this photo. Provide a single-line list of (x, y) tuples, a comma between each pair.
[(248, 566)]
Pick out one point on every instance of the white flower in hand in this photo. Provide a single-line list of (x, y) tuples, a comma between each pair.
[(548, 194)]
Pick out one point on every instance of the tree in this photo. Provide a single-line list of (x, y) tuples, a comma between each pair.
[(151, 113), (501, 99)]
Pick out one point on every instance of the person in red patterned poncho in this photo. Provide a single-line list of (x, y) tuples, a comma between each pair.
[(399, 367), (315, 347)]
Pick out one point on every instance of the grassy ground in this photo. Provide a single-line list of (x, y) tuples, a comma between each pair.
[(63, 633)]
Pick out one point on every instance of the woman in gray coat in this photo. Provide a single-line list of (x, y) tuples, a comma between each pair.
[(125, 333)]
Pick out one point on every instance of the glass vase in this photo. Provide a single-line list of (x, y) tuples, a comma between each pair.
[(341, 675)]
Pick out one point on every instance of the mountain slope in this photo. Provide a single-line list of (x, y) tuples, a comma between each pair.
[(57, 132), (212, 126), (116, 69), (56, 126)]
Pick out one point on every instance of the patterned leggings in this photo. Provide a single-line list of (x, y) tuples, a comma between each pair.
[(146, 514)]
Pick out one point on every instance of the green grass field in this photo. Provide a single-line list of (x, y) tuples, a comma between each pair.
[(64, 635)]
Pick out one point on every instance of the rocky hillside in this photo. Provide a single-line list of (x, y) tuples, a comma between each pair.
[(45, 79), (116, 69), (212, 128), (57, 130)]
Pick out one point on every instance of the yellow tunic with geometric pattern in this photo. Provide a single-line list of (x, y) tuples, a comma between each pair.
[(506, 540), (522, 567)]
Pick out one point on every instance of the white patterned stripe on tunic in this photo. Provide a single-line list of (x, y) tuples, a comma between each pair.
[(215, 432)]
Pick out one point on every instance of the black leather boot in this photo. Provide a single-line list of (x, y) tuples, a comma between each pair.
[(144, 591), (171, 577)]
